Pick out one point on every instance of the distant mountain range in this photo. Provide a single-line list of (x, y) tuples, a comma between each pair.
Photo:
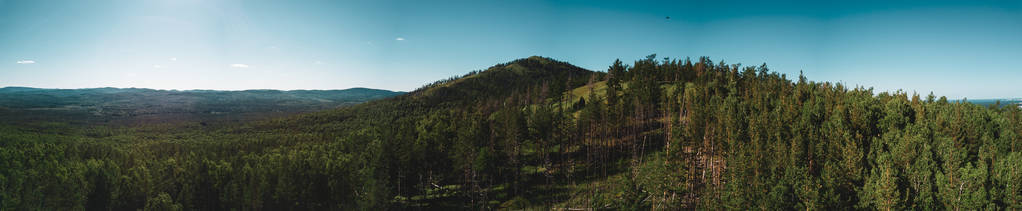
[(134, 105)]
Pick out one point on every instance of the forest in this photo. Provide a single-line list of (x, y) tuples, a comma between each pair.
[(536, 134)]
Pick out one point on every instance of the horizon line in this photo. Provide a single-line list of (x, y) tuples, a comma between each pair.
[(181, 90)]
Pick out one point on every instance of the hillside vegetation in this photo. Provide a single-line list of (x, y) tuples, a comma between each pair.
[(536, 133)]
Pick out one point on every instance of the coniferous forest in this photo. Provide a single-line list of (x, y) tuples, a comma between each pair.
[(536, 133)]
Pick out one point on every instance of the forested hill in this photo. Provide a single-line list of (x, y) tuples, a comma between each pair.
[(502, 80), (536, 133), (478, 92)]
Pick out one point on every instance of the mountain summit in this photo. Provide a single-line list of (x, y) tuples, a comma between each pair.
[(502, 79)]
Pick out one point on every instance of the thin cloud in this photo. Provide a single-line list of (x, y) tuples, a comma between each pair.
[(157, 66), (173, 59), (319, 62), (400, 39), (239, 65), (26, 62)]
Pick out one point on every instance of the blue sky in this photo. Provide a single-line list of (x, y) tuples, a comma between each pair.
[(957, 49)]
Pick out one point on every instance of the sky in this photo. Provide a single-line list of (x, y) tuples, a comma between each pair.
[(951, 48)]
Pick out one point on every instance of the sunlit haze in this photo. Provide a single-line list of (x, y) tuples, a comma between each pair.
[(957, 49)]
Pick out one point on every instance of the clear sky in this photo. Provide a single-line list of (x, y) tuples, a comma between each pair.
[(957, 49)]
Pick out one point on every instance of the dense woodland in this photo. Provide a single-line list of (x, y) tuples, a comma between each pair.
[(537, 133)]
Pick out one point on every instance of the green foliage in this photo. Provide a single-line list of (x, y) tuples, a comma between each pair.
[(162, 202)]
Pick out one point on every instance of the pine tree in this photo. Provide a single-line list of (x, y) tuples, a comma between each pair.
[(881, 191)]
